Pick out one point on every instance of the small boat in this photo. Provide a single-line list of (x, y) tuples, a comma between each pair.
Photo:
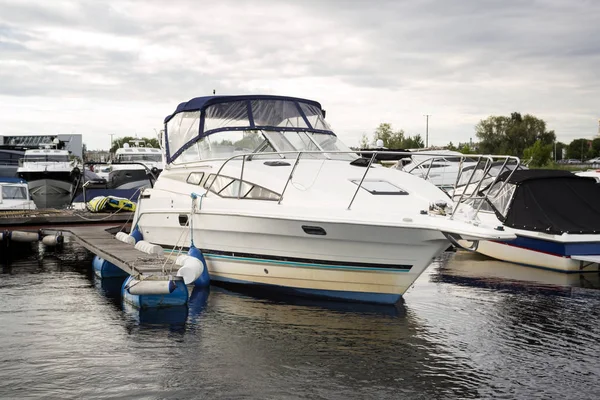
[(135, 166), (590, 173), (274, 199), (554, 214), (14, 195), (51, 175)]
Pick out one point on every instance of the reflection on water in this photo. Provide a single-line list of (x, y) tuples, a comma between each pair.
[(469, 328)]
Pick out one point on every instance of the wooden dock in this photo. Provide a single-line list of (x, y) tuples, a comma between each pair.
[(102, 243), (50, 218)]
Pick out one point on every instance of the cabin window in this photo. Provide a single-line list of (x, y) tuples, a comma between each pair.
[(229, 187), (234, 114), (380, 187), (500, 195), (14, 193), (195, 178), (277, 113), (315, 116), (182, 128)]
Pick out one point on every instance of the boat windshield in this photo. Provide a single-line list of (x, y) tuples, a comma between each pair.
[(46, 158), (226, 144), (249, 124), (14, 192), (123, 158)]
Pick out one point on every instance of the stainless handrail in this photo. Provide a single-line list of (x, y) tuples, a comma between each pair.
[(290, 177), (362, 180), (488, 159)]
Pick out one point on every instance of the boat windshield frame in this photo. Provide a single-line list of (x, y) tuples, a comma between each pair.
[(267, 144), (202, 117)]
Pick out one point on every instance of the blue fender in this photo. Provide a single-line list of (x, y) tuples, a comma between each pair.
[(204, 279)]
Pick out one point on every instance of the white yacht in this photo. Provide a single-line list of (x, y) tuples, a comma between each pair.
[(268, 192), (440, 167), (51, 176), (135, 166), (14, 195)]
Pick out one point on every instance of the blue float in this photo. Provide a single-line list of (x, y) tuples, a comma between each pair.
[(105, 269), (204, 278), (177, 295), (136, 234)]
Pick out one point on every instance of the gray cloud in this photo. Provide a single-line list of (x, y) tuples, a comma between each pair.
[(365, 61)]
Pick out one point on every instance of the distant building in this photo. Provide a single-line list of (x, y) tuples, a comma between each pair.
[(71, 142), (97, 156)]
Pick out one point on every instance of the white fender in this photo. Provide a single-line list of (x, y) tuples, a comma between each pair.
[(149, 248), (181, 259), (18, 236), (50, 240), (147, 287), (125, 238), (191, 270), (1, 236)]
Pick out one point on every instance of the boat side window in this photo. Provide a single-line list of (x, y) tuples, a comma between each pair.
[(225, 186), (46, 158), (500, 196), (139, 158), (195, 178), (14, 192)]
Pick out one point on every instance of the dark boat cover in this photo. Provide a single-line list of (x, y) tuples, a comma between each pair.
[(552, 201)]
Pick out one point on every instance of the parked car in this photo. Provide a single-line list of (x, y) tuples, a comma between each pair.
[(569, 161), (593, 161)]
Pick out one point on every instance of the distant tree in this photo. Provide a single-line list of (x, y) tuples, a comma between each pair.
[(451, 146), (538, 155), (396, 139), (413, 142), (595, 148), (364, 142), (580, 149), (512, 135), (466, 148), (119, 142)]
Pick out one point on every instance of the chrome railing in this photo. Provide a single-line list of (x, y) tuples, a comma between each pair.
[(486, 161)]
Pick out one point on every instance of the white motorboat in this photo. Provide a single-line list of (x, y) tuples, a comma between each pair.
[(14, 195), (51, 176), (440, 167), (135, 166), (554, 214), (272, 197)]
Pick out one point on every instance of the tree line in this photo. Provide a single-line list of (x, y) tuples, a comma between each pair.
[(524, 136)]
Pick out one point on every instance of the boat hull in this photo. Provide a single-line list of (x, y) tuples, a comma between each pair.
[(541, 253), (50, 193), (352, 262)]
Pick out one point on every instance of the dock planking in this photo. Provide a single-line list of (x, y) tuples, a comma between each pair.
[(45, 218), (102, 243)]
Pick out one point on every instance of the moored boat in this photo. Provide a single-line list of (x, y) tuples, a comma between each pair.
[(14, 195), (554, 214), (263, 186), (51, 176)]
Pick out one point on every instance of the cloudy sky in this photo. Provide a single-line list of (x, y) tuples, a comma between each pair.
[(102, 67)]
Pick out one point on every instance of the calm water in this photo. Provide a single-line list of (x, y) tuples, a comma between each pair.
[(469, 328)]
